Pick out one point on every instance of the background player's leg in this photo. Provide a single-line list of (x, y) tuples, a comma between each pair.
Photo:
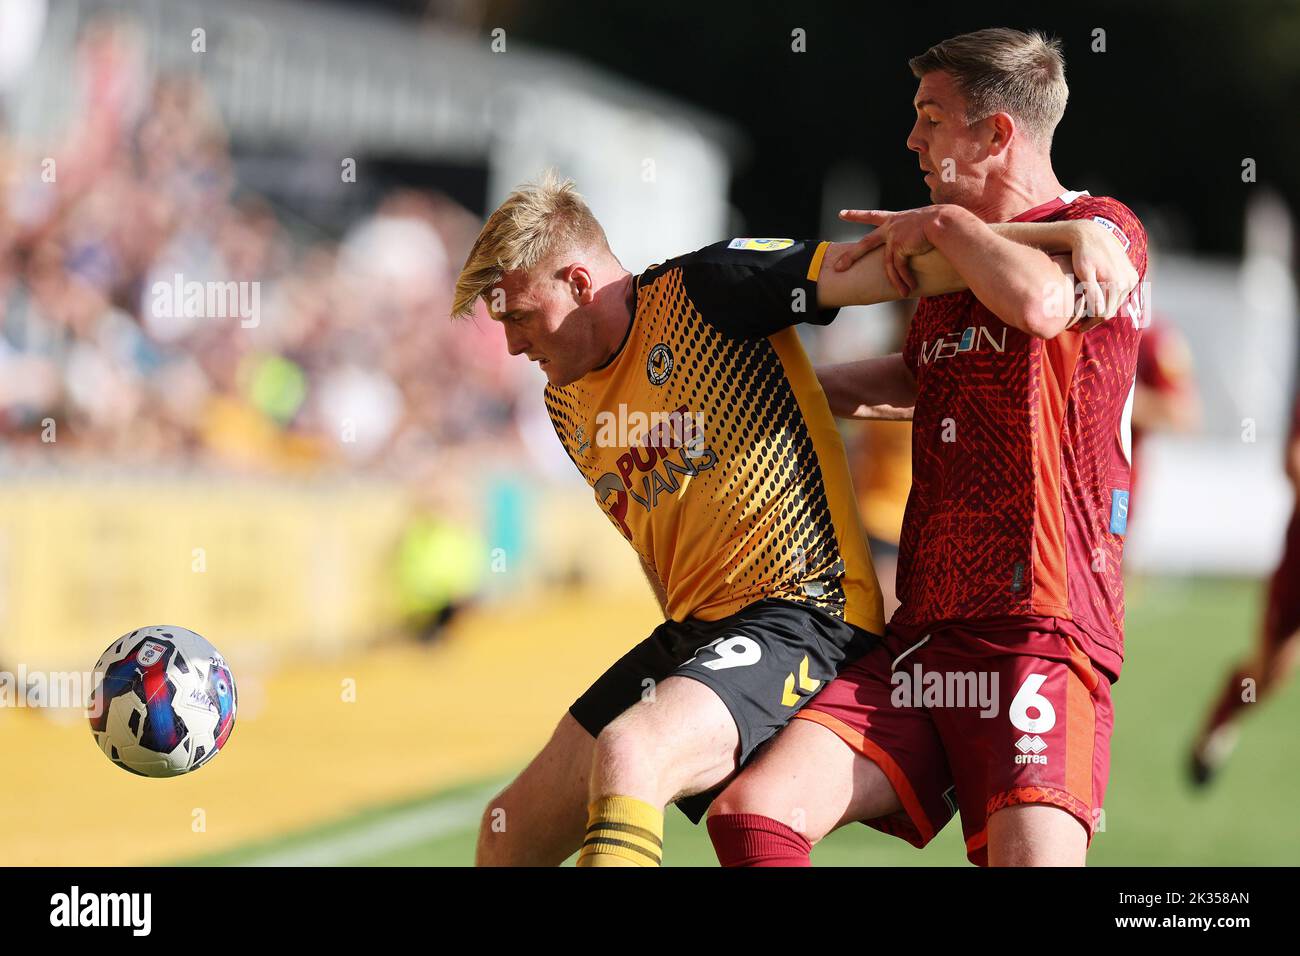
[(1270, 667), (1279, 664), (1035, 834), (804, 784), (538, 820)]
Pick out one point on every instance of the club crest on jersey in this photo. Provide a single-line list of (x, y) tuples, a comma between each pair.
[(760, 245), (580, 437), (659, 365)]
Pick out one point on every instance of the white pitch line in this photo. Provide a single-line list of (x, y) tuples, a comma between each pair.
[(392, 832)]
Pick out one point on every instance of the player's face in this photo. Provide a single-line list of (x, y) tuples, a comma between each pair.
[(949, 150), (542, 319)]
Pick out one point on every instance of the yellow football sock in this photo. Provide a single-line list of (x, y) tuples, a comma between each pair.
[(623, 831)]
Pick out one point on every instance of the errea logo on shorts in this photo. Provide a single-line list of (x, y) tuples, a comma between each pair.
[(1031, 749), (1032, 714)]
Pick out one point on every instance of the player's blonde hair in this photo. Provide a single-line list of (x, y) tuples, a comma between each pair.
[(1001, 70), (537, 221)]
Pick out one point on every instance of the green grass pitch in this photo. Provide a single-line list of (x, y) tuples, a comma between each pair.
[(1182, 635)]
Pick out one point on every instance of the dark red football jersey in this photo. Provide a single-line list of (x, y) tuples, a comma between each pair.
[(1020, 461)]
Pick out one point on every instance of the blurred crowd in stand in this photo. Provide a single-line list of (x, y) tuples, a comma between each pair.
[(340, 355), (304, 353)]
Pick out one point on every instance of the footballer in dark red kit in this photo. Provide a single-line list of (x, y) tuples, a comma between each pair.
[(1009, 561), (1011, 615)]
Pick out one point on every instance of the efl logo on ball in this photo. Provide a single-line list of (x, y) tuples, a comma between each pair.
[(165, 704)]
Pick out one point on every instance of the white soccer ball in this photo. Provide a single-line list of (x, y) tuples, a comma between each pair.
[(164, 703)]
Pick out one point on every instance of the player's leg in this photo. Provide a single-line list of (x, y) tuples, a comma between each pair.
[(1248, 683), (852, 754), (683, 740), (1268, 668), (1217, 739), (746, 676), (1280, 664), (680, 742), (804, 784), (1036, 834), (1031, 756), (538, 820)]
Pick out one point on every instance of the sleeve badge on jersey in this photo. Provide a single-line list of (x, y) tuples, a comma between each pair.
[(1118, 511), (1115, 230), (760, 245)]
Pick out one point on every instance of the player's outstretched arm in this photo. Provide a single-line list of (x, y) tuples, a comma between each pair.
[(879, 276), (868, 281), (1007, 265), (881, 387)]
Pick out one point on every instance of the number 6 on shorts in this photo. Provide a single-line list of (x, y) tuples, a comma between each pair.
[(1026, 697)]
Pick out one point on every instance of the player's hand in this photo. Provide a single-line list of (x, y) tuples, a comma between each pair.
[(1103, 275), (901, 233)]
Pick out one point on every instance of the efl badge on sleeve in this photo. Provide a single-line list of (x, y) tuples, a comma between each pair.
[(760, 245)]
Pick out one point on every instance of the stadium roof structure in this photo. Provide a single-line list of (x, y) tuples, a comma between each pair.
[(357, 82)]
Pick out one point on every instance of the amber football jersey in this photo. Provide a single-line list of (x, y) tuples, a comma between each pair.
[(709, 443)]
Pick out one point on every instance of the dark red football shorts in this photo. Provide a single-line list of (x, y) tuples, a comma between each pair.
[(972, 720)]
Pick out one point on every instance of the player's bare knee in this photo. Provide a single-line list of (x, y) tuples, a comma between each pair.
[(624, 743), (493, 833), (743, 795), (633, 755), (753, 797), (1036, 835)]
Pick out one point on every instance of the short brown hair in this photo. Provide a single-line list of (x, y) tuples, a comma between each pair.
[(1001, 70), (537, 220)]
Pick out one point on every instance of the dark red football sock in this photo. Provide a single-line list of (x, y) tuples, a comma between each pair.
[(750, 839), (1229, 702)]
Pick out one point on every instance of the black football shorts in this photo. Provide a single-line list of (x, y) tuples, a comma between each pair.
[(765, 661)]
